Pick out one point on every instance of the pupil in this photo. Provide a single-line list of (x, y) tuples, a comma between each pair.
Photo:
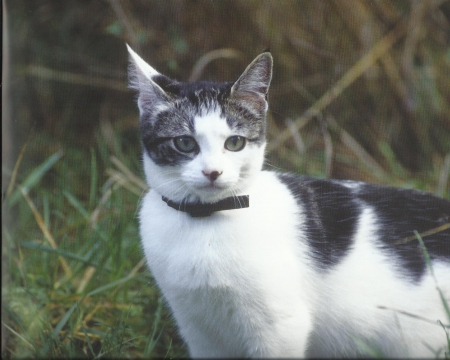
[(186, 142)]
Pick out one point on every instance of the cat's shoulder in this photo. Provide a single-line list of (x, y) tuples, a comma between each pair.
[(334, 211)]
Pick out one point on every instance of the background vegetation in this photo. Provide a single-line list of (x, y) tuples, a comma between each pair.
[(361, 90)]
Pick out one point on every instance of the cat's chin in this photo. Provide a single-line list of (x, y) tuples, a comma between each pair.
[(210, 194)]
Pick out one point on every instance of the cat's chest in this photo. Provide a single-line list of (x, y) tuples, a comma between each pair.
[(227, 248)]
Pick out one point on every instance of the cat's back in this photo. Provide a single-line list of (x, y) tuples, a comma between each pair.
[(337, 211), (374, 281)]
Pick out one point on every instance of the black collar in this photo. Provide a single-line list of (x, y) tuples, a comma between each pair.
[(203, 210)]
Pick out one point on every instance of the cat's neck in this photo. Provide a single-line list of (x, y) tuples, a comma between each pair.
[(198, 209)]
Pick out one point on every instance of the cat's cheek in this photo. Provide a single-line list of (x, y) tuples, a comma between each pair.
[(250, 164)]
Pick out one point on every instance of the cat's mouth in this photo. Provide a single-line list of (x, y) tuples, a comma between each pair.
[(211, 186)]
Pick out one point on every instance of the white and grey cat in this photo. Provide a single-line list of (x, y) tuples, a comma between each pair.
[(258, 263)]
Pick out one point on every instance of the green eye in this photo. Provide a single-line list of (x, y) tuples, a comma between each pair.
[(185, 143), (235, 143)]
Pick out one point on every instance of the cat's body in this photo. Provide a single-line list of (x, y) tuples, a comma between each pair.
[(311, 268)]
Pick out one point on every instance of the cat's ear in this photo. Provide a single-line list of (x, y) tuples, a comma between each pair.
[(152, 86), (252, 87)]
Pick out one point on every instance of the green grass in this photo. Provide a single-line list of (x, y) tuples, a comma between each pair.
[(75, 284)]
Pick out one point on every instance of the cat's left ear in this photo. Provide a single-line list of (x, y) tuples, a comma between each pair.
[(142, 73), (252, 87), (153, 87)]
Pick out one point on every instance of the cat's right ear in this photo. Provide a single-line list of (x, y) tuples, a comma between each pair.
[(251, 88), (144, 79)]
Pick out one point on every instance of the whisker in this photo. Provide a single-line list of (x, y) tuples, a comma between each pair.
[(266, 162)]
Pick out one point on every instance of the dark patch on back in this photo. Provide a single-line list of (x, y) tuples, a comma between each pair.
[(331, 212), (400, 212)]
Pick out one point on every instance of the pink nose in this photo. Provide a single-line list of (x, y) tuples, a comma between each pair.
[(213, 175)]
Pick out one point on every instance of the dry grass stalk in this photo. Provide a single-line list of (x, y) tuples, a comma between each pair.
[(201, 63), (41, 223), (349, 77), (76, 79), (357, 149)]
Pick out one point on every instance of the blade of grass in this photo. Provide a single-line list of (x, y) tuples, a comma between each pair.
[(118, 346), (411, 315), (77, 205), (123, 181), (357, 149), (151, 344), (15, 170), (106, 195), (88, 274), (94, 179), (19, 336), (201, 63), (88, 340), (443, 182), (66, 254), (45, 230), (72, 78), (129, 174), (35, 176), (396, 167), (368, 350), (82, 210), (430, 267), (446, 333), (119, 282), (63, 321), (423, 234)]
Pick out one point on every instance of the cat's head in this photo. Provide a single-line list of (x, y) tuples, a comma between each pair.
[(202, 141)]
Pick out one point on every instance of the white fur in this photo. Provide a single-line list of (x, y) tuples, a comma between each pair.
[(241, 284), (236, 286), (238, 168), (362, 297)]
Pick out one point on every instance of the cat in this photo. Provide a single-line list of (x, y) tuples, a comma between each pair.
[(256, 263)]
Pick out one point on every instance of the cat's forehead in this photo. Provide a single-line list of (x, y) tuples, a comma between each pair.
[(211, 123), (203, 98)]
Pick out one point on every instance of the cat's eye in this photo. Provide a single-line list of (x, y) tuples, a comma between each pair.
[(185, 143), (235, 143)]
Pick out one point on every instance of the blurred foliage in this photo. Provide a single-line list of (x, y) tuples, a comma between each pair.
[(69, 69)]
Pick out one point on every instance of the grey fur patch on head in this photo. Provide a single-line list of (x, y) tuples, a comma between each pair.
[(168, 107)]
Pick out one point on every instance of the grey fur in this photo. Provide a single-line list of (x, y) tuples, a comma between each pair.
[(168, 107)]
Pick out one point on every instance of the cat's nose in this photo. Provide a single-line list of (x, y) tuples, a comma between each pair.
[(212, 175)]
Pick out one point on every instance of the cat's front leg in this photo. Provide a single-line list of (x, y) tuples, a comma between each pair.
[(289, 338), (279, 332)]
